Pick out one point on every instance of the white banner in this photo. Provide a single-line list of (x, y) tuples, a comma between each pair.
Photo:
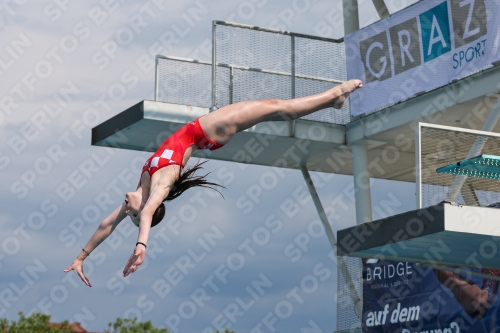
[(421, 48)]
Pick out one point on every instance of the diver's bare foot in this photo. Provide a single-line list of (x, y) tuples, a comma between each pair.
[(346, 89)]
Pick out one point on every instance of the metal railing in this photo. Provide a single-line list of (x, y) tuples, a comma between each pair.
[(293, 64), (292, 73), (283, 56), (169, 68), (231, 70)]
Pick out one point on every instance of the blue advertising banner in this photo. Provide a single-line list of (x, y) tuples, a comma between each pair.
[(421, 48), (402, 297)]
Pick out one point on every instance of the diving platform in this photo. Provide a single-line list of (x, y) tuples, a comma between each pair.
[(443, 234), (321, 146), (484, 166), (145, 125)]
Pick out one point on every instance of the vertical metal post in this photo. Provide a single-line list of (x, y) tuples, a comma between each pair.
[(231, 85), (418, 164), (331, 237), (351, 17), (381, 8), (214, 64), (362, 190), (156, 78), (292, 63)]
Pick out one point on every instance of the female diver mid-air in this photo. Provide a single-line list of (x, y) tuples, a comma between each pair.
[(161, 178)]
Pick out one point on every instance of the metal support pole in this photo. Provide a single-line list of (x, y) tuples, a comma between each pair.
[(362, 190), (469, 195), (231, 85), (292, 65), (351, 17), (292, 79), (331, 238), (156, 78), (214, 64), (475, 150), (381, 8), (418, 171), (319, 208)]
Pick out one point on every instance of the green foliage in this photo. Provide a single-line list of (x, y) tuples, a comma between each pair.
[(128, 325), (37, 322), (4, 324), (40, 323)]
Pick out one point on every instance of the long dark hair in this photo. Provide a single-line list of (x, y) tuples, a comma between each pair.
[(186, 180)]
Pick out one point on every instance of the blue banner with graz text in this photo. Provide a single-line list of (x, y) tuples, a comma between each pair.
[(421, 48)]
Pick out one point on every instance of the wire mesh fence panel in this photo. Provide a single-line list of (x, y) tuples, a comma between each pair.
[(320, 58), (347, 313), (223, 84), (434, 194), (444, 146), (305, 64), (257, 85), (306, 87), (181, 81), (252, 48)]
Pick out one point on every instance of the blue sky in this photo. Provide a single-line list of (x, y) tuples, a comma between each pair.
[(208, 257)]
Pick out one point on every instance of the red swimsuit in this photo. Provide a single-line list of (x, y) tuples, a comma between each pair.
[(171, 151)]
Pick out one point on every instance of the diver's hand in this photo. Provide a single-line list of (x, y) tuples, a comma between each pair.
[(77, 265), (135, 260)]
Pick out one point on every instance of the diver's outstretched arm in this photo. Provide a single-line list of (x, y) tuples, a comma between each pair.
[(156, 197), (103, 231)]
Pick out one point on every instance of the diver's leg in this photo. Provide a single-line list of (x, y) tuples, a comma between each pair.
[(222, 124)]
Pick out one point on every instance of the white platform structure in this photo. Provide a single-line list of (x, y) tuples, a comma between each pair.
[(331, 141), (436, 236)]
